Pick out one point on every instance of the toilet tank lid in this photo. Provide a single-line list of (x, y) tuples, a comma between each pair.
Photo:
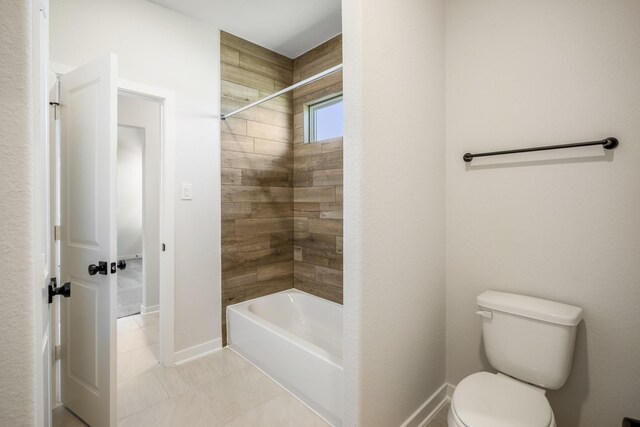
[(531, 307)]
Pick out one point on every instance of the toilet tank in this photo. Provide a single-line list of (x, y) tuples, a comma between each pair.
[(529, 338)]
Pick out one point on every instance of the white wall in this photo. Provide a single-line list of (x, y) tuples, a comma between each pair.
[(130, 158), (534, 73), (162, 48), (17, 308), (145, 114), (394, 208)]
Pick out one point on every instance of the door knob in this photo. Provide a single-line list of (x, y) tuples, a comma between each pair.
[(100, 268), (122, 264)]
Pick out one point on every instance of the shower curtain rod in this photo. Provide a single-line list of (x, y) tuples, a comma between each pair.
[(311, 79)]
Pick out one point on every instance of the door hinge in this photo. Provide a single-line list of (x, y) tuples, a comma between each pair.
[(55, 105), (57, 352), (56, 232)]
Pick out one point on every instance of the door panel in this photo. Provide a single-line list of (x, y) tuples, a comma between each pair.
[(88, 98)]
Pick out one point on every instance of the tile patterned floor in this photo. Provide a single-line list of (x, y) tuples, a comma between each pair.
[(440, 420), (221, 389)]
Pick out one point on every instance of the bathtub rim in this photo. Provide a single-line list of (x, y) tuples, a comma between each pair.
[(242, 309)]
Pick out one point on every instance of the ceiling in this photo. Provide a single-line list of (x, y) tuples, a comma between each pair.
[(289, 27)]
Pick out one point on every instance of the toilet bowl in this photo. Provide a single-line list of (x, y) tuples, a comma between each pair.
[(530, 342), (493, 400)]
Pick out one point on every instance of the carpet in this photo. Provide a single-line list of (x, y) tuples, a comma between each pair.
[(130, 288)]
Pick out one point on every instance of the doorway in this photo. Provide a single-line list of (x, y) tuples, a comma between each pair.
[(86, 134), (138, 228)]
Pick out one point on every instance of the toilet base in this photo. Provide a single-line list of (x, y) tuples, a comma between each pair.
[(453, 421)]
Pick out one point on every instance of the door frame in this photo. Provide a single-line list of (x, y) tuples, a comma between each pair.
[(166, 100)]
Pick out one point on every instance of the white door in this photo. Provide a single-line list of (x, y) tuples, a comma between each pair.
[(88, 112)]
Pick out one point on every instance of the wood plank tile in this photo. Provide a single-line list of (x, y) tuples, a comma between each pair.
[(303, 179), (246, 243), (269, 287), (320, 162), (283, 239), (271, 210), (247, 78), (281, 103), (234, 125), (339, 244), (263, 225), (257, 114), (228, 228), (243, 193), (323, 226), (330, 145), (326, 48), (231, 176), (230, 55), (236, 210), (327, 177), (306, 209), (319, 64), (254, 259), (237, 279), (265, 68), (273, 148), (233, 142), (303, 271), (234, 91), (329, 276), (300, 225), (331, 210), (271, 132), (314, 194), (307, 149), (238, 160), (278, 270), (254, 177)]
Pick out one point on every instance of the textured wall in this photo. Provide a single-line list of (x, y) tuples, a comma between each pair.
[(17, 328), (257, 173), (394, 152), (562, 225), (317, 175)]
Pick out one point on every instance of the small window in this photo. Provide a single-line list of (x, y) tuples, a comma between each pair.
[(324, 119)]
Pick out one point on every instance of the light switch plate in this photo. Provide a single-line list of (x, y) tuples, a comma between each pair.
[(186, 191)]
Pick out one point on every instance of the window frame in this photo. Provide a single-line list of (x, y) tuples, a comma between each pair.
[(310, 118)]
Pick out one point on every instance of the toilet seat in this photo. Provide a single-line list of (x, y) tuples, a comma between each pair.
[(488, 400)]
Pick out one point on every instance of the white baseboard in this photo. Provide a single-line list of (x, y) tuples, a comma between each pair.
[(197, 351), (450, 390), (429, 408), (150, 309)]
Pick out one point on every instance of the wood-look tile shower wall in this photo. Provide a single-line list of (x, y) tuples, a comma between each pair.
[(257, 173), (317, 171), (271, 178)]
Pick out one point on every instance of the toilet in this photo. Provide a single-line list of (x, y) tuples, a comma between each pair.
[(530, 342)]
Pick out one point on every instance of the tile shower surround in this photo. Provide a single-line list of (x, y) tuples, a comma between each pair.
[(281, 198)]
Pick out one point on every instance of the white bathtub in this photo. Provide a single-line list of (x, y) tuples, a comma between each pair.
[(296, 338)]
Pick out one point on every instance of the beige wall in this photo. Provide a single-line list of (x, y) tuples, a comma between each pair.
[(394, 211), (18, 349), (162, 48), (257, 173), (562, 225), (317, 175)]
